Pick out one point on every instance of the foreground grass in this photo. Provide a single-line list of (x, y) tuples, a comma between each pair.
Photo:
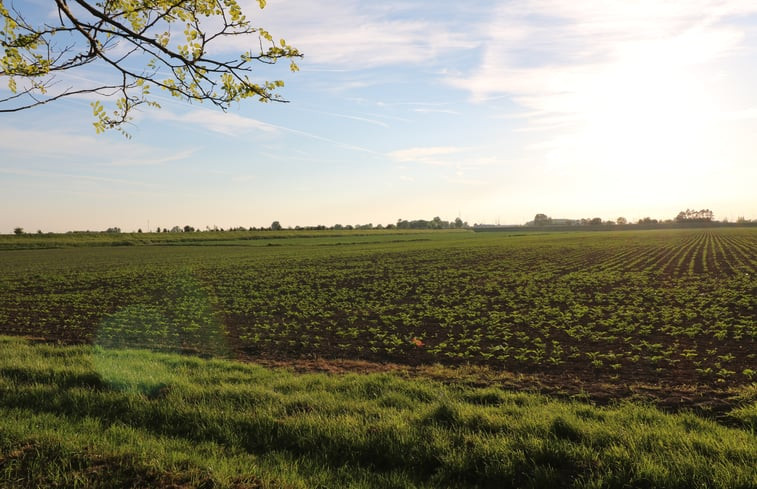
[(91, 417)]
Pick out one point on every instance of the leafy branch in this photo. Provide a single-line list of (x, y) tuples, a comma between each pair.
[(169, 44)]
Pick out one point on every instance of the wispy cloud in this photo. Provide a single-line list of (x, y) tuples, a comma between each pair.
[(346, 116), (612, 82), (151, 161), (72, 176), (353, 34), (340, 144), (57, 143), (460, 179), (244, 178), (99, 150), (236, 125), (221, 122), (436, 111), (551, 56), (434, 155), (458, 157)]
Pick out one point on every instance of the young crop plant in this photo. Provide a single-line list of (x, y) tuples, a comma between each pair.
[(526, 304)]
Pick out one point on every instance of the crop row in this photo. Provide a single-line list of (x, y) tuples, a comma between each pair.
[(680, 305)]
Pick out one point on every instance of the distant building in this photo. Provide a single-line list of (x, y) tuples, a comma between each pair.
[(565, 222), (555, 222)]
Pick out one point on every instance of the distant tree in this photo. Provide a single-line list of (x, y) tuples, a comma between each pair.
[(742, 220), (391, 226), (691, 215), (622, 221), (18, 231), (275, 226), (542, 220), (647, 220), (435, 223), (595, 221), (139, 230), (113, 230), (338, 227), (189, 229), (157, 230)]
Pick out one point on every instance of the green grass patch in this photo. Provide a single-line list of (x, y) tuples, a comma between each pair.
[(94, 417)]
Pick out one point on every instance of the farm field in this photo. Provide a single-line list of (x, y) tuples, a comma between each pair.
[(575, 309), (445, 344)]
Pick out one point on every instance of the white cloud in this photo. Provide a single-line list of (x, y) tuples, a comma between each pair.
[(217, 121), (101, 150), (458, 157), (353, 34), (459, 179), (236, 125), (614, 83), (436, 155), (347, 116), (550, 55), (244, 178), (436, 111), (154, 160), (72, 176)]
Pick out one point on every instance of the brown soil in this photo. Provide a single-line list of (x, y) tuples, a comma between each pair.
[(672, 390), (712, 401)]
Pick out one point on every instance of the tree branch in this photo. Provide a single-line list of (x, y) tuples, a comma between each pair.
[(29, 53)]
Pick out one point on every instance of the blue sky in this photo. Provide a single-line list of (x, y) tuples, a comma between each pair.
[(412, 109)]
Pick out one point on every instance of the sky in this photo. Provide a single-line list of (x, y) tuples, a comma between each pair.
[(490, 111)]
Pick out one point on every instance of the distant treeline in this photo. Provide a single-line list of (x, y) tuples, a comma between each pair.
[(689, 217), (435, 223)]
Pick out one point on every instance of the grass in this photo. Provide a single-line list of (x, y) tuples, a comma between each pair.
[(84, 416)]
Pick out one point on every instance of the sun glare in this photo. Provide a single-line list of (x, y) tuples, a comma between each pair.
[(647, 114)]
